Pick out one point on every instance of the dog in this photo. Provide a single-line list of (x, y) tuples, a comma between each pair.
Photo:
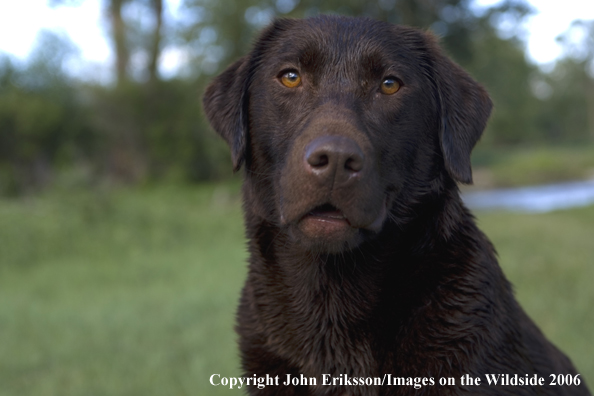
[(364, 262)]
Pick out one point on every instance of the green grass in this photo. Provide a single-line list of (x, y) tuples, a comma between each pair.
[(133, 292), (550, 260), (505, 167)]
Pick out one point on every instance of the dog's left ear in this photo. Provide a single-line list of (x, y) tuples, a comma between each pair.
[(465, 107), (225, 105)]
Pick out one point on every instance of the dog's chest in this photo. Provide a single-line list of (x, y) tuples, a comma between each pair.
[(325, 329)]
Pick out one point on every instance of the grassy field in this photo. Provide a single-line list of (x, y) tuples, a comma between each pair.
[(521, 166), (133, 292)]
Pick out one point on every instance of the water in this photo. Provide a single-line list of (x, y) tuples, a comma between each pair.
[(534, 199)]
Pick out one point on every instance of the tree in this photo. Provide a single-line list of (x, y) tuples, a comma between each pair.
[(130, 37), (43, 125), (118, 37), (578, 45), (155, 43)]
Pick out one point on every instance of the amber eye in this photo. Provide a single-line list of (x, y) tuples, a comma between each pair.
[(291, 79), (390, 86)]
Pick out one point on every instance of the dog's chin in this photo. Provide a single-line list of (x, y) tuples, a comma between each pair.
[(327, 234)]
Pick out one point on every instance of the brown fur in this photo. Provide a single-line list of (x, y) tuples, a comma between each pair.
[(404, 284)]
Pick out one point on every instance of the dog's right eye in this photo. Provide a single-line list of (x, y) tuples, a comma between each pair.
[(390, 86), (290, 79)]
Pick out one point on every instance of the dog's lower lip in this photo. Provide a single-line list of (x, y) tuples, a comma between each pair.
[(334, 222), (325, 221), (328, 214)]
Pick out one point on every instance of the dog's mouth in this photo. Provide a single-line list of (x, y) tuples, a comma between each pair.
[(335, 226), (326, 217), (329, 222), (325, 221), (327, 212)]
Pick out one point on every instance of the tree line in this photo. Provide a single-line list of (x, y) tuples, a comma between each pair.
[(145, 127)]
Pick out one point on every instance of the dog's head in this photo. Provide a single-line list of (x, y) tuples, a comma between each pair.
[(339, 120)]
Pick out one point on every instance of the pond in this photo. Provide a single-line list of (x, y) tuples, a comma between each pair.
[(533, 199)]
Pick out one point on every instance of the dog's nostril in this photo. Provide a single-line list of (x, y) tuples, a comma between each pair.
[(318, 160), (354, 163)]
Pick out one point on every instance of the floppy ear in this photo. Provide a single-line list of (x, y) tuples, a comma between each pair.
[(465, 107), (226, 98), (225, 105)]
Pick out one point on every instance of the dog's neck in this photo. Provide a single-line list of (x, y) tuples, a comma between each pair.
[(329, 305)]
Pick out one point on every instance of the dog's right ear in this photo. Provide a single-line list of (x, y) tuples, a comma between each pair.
[(225, 105)]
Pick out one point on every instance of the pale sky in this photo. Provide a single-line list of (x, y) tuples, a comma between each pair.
[(20, 20), (552, 17)]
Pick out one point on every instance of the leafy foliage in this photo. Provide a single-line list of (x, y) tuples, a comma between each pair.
[(146, 128), (43, 124)]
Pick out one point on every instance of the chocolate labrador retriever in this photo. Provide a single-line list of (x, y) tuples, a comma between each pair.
[(367, 274)]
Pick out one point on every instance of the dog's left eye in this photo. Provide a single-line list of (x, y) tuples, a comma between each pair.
[(390, 86), (290, 79)]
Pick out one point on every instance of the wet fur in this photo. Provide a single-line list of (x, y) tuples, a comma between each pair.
[(424, 296)]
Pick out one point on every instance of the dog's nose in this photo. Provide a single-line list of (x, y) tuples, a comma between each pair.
[(334, 156)]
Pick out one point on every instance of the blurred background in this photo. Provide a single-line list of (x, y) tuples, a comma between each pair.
[(121, 241)]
